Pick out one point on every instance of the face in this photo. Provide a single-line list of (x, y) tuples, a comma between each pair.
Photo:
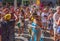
[(58, 9), (34, 20), (50, 10)]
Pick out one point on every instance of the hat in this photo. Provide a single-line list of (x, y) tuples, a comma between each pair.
[(7, 17), (32, 18)]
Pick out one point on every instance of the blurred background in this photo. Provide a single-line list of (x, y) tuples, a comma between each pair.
[(28, 2)]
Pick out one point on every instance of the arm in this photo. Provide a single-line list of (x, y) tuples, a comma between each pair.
[(15, 17), (50, 16), (55, 19), (58, 22)]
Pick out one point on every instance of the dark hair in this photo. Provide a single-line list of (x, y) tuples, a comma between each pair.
[(45, 16), (22, 12)]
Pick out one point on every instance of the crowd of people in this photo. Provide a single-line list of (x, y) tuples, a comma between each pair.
[(33, 18)]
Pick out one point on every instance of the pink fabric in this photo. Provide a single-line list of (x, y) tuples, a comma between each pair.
[(12, 9), (41, 6)]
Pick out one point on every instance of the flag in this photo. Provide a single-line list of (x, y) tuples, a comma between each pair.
[(38, 2)]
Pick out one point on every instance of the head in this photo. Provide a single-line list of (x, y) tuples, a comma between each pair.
[(17, 11), (50, 10), (45, 10), (34, 20), (58, 9)]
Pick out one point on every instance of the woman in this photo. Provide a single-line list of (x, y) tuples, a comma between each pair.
[(50, 21), (34, 31), (38, 28), (44, 17), (0, 26), (18, 21), (56, 17)]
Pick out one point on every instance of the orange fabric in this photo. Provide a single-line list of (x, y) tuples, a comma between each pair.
[(38, 2)]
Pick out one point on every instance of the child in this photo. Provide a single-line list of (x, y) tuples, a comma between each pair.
[(19, 24), (34, 31), (50, 21)]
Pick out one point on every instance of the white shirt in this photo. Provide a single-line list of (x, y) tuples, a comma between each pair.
[(38, 13), (55, 17), (43, 18)]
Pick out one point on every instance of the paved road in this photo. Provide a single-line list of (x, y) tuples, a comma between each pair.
[(23, 37), (26, 37)]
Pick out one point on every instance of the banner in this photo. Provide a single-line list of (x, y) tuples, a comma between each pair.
[(38, 2)]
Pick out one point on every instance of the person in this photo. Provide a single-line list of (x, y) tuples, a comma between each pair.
[(5, 27), (56, 17), (50, 21), (38, 18), (11, 25), (26, 18), (22, 18), (34, 25), (58, 29), (0, 26), (44, 17), (19, 22), (9, 19)]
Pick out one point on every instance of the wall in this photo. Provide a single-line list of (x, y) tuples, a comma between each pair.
[(54, 1)]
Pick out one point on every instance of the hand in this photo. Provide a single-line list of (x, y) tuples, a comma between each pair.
[(58, 23)]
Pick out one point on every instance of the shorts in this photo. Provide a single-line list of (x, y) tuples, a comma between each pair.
[(50, 26), (55, 29), (18, 25)]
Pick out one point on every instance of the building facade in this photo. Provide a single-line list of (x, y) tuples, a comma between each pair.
[(11, 2), (24, 2)]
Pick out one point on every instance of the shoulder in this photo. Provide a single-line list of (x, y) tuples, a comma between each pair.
[(55, 14)]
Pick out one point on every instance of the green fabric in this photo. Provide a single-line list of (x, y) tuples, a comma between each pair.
[(18, 25)]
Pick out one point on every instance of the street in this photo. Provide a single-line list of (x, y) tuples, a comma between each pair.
[(25, 36)]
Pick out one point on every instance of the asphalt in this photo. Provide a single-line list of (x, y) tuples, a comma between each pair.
[(25, 36)]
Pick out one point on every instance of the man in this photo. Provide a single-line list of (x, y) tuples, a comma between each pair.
[(5, 27), (56, 17), (8, 25), (50, 21), (44, 17)]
